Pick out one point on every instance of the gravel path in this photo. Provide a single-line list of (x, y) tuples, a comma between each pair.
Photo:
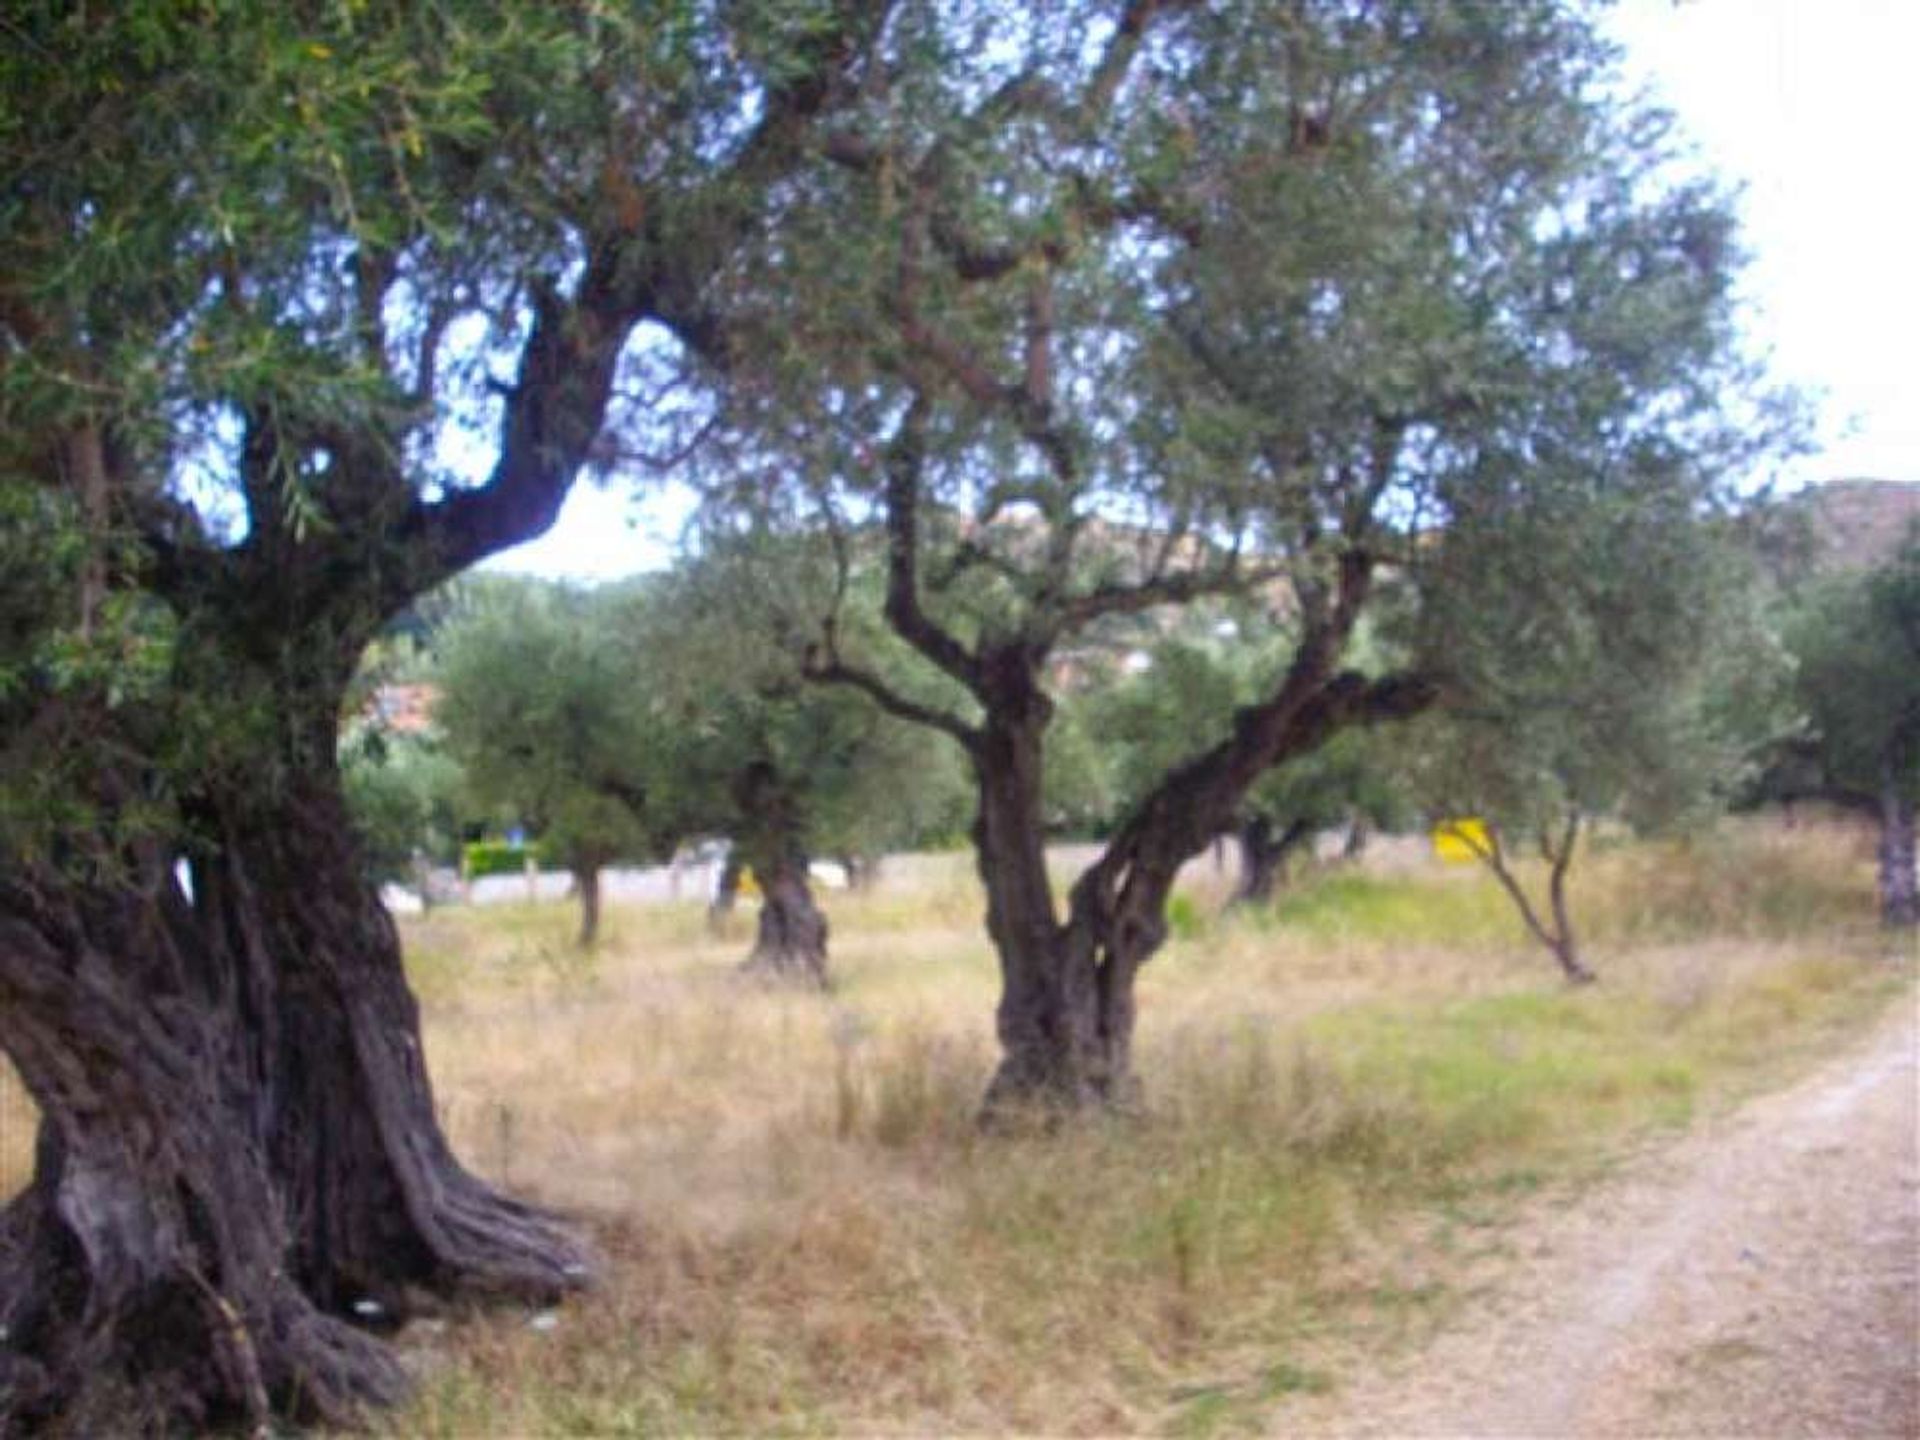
[(1759, 1279)]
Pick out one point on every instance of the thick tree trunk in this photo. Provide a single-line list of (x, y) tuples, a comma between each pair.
[(1264, 857), (376, 1203), (143, 1283), (586, 880), (1047, 1019), (239, 1143), (791, 941), (1066, 1015), (1899, 888)]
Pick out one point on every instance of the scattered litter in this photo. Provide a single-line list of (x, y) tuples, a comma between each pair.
[(368, 1308), (544, 1322)]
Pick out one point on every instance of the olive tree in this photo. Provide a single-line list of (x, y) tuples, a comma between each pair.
[(1855, 638), (785, 770), (1110, 308), (303, 313), (549, 716), (1634, 685)]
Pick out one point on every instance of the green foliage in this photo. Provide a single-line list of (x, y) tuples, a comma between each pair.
[(543, 707), (1856, 640), (76, 682), (728, 669), (405, 795), (481, 858), (1606, 655), (1181, 696), (1185, 919), (1208, 334)]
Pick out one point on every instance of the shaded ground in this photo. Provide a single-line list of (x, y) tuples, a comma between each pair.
[(1760, 1278)]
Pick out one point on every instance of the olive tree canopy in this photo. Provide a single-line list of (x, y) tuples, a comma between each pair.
[(1102, 309)]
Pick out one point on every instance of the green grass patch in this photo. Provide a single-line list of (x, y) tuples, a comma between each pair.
[(1455, 909)]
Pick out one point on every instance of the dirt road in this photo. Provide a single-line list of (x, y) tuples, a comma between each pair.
[(1759, 1279)]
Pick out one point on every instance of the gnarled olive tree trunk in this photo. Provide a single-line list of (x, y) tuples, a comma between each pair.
[(143, 1275), (1066, 1015), (790, 943), (1057, 1040), (1264, 857), (239, 1147), (375, 1200), (726, 890), (586, 866)]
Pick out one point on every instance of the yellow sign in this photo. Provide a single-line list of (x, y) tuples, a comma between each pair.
[(1462, 841)]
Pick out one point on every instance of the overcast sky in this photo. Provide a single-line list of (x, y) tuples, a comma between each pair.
[(1810, 105)]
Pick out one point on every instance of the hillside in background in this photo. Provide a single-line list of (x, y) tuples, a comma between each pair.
[(1853, 524)]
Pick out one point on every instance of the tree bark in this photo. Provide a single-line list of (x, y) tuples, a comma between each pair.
[(1359, 832), (238, 1142), (1264, 857), (1563, 944), (1061, 1048), (1067, 1010), (377, 1205), (1899, 889), (586, 879), (790, 943), (143, 1284)]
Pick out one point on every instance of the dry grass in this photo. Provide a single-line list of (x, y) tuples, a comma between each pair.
[(803, 1230), (17, 1121)]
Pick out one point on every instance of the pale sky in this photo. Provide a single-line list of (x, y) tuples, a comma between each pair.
[(1810, 105)]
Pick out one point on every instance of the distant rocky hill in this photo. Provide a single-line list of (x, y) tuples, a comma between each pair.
[(1841, 525), (1855, 524)]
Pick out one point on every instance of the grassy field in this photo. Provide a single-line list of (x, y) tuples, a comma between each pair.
[(803, 1230)]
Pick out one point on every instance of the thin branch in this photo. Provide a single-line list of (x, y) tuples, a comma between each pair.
[(1495, 857), (830, 669), (607, 451), (1131, 599), (970, 555), (1557, 895), (1119, 55), (374, 269), (426, 351)]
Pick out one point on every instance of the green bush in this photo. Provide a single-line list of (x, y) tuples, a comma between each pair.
[(480, 858), (1185, 919)]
